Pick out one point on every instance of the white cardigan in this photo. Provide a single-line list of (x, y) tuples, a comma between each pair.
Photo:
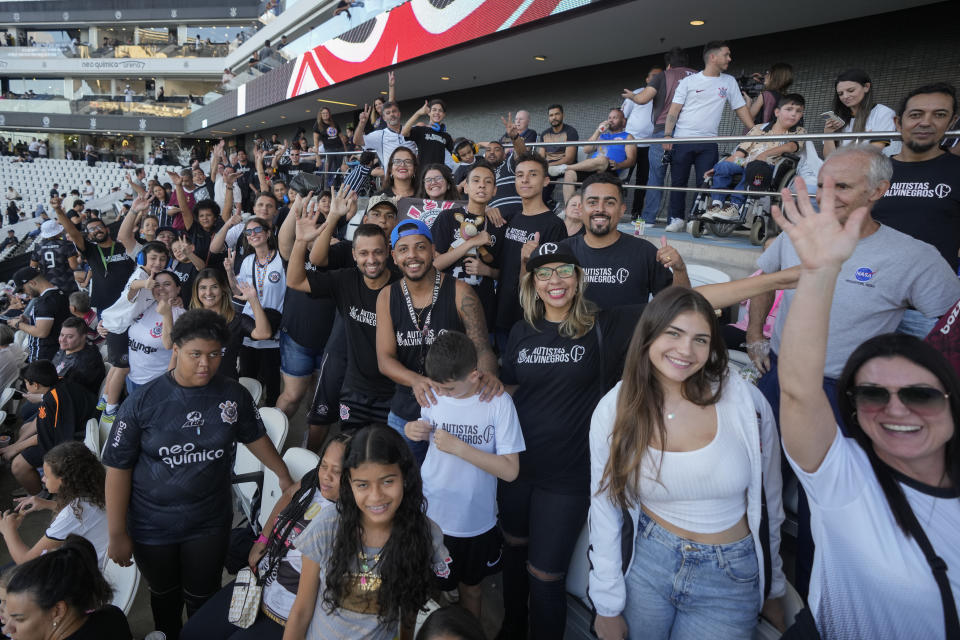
[(608, 553)]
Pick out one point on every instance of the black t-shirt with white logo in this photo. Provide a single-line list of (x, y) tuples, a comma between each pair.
[(329, 136), (923, 201), (85, 367), (560, 381), (306, 319), (52, 304), (53, 257), (446, 235), (179, 442), (357, 304), (625, 273), (111, 269), (521, 229), (288, 170), (431, 144), (415, 337)]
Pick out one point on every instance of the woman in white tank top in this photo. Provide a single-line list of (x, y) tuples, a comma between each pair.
[(683, 452)]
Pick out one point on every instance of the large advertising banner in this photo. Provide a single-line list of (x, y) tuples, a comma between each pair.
[(411, 30)]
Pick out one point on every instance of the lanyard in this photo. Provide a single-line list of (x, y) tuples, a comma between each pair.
[(106, 261), (260, 272), (413, 315)]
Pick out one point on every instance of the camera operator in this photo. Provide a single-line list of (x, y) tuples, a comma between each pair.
[(762, 92)]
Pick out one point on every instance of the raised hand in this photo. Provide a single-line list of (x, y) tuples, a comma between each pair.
[(164, 308), (247, 292), (228, 261), (342, 202), (307, 228), (391, 79), (821, 240), (529, 247), (175, 179), (668, 256), (364, 115), (509, 126), (425, 109), (141, 203)]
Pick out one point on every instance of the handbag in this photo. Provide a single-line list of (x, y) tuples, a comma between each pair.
[(245, 601), (303, 183)]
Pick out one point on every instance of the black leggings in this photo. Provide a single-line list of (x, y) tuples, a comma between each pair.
[(184, 573), (262, 365), (210, 622), (540, 531), (325, 408)]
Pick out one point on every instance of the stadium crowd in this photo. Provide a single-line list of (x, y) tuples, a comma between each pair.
[(485, 383)]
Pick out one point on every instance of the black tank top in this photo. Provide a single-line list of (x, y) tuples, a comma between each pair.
[(413, 342)]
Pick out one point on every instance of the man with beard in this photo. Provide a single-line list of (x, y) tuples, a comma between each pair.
[(366, 393), (411, 313), (110, 265), (615, 158), (556, 135), (382, 141), (620, 269), (323, 255), (923, 200)]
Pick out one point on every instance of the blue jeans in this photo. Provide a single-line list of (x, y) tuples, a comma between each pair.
[(724, 175), (296, 360), (651, 201), (685, 590), (916, 324), (419, 447), (701, 156)]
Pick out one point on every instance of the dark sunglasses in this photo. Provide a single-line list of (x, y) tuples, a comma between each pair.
[(920, 400), (253, 230)]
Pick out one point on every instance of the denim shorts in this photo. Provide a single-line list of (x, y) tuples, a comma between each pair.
[(296, 360), (684, 590)]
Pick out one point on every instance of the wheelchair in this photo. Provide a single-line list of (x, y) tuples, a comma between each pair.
[(754, 212)]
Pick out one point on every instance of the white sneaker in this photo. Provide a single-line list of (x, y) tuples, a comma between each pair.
[(711, 211), (556, 170), (676, 225), (729, 213)]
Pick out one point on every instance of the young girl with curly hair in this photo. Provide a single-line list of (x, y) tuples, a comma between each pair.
[(368, 565), (75, 477)]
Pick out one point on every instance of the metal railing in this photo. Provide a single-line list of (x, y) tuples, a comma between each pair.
[(802, 137)]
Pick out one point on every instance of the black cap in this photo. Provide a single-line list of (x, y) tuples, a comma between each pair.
[(551, 252), (23, 276)]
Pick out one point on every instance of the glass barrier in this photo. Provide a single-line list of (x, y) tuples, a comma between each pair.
[(189, 50), (97, 107)]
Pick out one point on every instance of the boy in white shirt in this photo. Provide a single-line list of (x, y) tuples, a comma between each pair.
[(472, 443)]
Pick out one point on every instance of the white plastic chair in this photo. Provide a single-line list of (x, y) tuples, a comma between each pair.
[(91, 437), (254, 387), (700, 274), (277, 425), (125, 582), (6, 395), (792, 604), (248, 478), (299, 462)]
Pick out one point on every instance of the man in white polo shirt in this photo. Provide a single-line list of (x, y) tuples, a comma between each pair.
[(696, 111)]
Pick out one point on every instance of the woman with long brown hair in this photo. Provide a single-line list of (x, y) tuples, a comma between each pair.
[(401, 175), (688, 451)]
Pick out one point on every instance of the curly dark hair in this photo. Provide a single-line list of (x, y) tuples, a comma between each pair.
[(405, 566), (82, 477)]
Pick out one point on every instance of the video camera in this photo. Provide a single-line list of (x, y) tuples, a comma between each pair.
[(751, 84)]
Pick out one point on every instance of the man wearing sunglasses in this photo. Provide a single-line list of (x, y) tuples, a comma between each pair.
[(620, 269)]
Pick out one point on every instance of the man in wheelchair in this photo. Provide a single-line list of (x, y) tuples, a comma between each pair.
[(751, 165)]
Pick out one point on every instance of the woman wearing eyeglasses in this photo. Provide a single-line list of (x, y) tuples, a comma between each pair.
[(883, 496), (401, 174), (559, 361), (437, 183), (264, 270)]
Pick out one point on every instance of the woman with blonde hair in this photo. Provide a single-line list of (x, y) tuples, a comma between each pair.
[(688, 452)]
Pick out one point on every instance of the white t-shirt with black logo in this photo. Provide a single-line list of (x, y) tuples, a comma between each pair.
[(703, 98), (270, 284), (461, 498), (869, 580), (148, 358)]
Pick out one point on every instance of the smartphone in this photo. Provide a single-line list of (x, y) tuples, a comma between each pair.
[(830, 115)]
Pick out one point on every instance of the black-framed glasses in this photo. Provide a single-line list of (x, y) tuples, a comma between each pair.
[(563, 271), (253, 230), (920, 400)]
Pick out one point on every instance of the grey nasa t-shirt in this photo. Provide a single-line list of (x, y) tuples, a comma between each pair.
[(888, 272)]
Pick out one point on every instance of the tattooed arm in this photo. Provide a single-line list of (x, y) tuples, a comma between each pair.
[(471, 315)]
